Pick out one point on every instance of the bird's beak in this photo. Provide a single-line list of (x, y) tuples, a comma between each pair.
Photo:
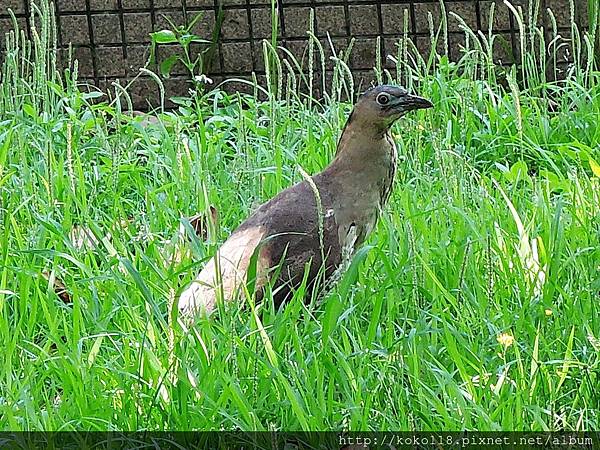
[(415, 102)]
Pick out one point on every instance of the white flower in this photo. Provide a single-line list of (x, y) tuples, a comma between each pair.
[(203, 79)]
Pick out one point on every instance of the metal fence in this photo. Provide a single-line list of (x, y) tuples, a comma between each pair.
[(110, 38)]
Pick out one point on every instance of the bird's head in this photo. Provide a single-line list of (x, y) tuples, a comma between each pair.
[(380, 106)]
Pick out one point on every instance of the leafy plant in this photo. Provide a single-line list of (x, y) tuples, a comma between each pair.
[(183, 37)]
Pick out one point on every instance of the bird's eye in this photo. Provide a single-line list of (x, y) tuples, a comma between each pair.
[(383, 99)]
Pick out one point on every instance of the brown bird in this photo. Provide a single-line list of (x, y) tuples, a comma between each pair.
[(317, 224)]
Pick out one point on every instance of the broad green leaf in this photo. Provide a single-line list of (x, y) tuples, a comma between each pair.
[(533, 369), (4, 149), (186, 39), (167, 65), (163, 37), (95, 350), (594, 166), (567, 361), (30, 111)]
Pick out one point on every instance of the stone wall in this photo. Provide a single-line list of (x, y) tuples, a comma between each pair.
[(110, 37)]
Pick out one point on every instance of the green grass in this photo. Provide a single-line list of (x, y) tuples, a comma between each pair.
[(492, 234)]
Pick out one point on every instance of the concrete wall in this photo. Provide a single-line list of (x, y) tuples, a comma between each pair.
[(110, 37)]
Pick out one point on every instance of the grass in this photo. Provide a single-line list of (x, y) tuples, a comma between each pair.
[(473, 306)]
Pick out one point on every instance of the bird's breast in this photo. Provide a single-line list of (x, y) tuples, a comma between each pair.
[(387, 181)]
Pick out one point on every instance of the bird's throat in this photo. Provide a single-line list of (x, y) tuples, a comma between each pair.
[(364, 154)]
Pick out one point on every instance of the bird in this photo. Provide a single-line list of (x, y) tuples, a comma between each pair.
[(309, 232)]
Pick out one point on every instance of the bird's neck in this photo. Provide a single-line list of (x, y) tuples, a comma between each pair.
[(363, 150), (363, 172)]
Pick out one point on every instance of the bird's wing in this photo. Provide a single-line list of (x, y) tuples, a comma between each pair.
[(223, 274), (291, 232)]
